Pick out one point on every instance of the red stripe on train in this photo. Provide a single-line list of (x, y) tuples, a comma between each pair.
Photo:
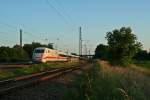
[(50, 57)]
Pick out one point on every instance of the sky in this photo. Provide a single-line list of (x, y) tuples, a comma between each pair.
[(58, 21)]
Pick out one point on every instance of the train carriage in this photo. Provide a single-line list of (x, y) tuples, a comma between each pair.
[(43, 54)]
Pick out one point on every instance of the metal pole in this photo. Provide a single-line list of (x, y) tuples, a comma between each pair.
[(80, 41), (20, 37)]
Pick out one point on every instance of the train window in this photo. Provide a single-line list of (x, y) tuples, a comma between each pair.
[(39, 51), (62, 55)]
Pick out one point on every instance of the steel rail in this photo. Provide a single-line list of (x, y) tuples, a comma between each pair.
[(20, 82)]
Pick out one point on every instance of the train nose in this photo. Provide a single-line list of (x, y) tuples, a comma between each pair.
[(38, 56)]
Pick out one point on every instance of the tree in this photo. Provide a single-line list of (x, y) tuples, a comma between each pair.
[(15, 54), (50, 45), (123, 45), (19, 54), (102, 52), (74, 54), (142, 55), (4, 57), (148, 54)]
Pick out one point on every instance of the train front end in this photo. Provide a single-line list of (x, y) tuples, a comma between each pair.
[(38, 54)]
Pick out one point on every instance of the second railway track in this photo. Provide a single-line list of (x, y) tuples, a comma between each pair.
[(9, 85)]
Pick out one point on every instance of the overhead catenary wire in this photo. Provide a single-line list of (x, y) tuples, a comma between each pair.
[(58, 12), (4, 37), (8, 25), (24, 31), (24, 28), (61, 13), (64, 11), (38, 37), (64, 16)]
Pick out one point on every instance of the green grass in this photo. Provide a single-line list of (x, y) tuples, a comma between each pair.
[(107, 83), (34, 69), (144, 64)]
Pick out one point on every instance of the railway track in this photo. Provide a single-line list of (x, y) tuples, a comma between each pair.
[(7, 67), (9, 85)]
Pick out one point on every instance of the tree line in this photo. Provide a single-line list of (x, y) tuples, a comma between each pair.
[(102, 52), (19, 54), (122, 48)]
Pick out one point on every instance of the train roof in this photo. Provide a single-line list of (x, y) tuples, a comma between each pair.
[(43, 48), (59, 52), (40, 48), (62, 53)]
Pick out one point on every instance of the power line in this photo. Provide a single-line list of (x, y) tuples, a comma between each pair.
[(6, 38), (8, 25), (29, 33), (15, 28), (63, 10), (62, 13), (58, 12), (25, 31)]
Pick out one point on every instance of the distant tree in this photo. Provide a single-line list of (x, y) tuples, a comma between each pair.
[(17, 46), (102, 52), (15, 54), (123, 45), (50, 45), (19, 54), (149, 56), (4, 56), (142, 55), (74, 54)]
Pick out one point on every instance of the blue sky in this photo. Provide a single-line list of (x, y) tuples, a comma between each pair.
[(61, 19)]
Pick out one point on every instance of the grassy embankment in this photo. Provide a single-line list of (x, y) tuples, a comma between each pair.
[(144, 64), (106, 82), (34, 68)]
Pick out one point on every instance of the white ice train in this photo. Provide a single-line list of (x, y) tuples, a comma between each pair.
[(43, 54)]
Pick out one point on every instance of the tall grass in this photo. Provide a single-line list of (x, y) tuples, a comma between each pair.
[(105, 83), (95, 85)]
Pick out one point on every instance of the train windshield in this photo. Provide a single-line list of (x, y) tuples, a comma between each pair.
[(39, 51)]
